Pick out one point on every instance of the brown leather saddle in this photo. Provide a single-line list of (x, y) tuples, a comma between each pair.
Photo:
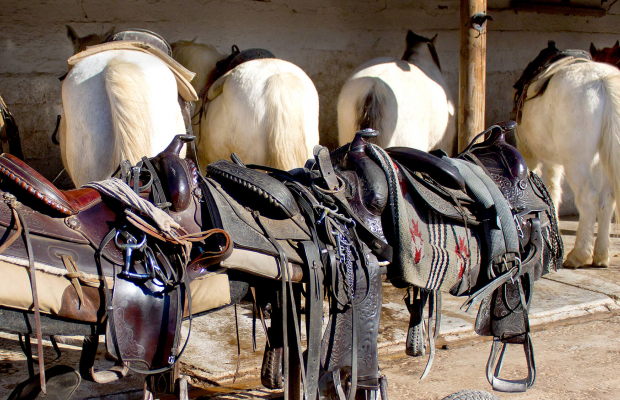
[(120, 271)]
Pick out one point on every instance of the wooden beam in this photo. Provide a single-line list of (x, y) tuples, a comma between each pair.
[(472, 73)]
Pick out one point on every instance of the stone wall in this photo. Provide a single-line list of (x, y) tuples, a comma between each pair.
[(327, 39)]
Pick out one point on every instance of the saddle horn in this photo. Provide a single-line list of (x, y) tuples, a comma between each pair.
[(175, 174)]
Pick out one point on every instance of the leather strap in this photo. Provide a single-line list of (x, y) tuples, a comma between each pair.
[(286, 278), (376, 244), (314, 322), (434, 321), (22, 225), (73, 274), (490, 288), (159, 197)]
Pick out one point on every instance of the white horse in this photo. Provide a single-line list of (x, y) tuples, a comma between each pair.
[(264, 110), (117, 105), (574, 128), (406, 100)]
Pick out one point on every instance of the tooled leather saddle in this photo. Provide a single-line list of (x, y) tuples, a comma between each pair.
[(503, 277), (119, 270)]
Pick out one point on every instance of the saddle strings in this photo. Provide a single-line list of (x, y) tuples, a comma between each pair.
[(22, 228)]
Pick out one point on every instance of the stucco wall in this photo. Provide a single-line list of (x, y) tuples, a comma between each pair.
[(327, 39)]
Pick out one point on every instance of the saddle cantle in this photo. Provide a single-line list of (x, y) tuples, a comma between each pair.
[(66, 202), (182, 75), (215, 80), (144, 36)]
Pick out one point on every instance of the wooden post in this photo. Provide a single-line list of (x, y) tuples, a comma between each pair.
[(472, 73)]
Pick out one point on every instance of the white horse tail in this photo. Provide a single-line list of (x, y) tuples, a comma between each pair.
[(610, 136), (373, 101), (127, 88), (286, 143)]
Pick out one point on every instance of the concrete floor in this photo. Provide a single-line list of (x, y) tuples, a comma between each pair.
[(566, 296)]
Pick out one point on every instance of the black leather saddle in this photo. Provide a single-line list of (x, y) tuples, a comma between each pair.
[(544, 60), (238, 57), (119, 271)]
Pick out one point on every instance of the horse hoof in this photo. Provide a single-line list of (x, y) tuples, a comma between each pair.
[(573, 261), (567, 265)]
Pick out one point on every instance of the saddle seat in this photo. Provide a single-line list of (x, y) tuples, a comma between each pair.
[(421, 161), (68, 202)]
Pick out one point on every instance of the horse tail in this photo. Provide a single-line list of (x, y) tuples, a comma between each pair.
[(610, 138), (366, 102), (370, 107), (286, 121), (126, 87)]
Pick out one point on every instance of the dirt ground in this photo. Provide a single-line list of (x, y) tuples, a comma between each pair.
[(577, 358), (576, 361)]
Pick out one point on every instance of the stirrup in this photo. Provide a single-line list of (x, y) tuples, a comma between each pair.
[(494, 367)]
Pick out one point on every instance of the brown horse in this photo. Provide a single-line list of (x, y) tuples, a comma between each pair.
[(609, 55)]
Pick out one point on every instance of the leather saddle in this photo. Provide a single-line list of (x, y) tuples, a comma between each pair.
[(144, 36), (118, 270), (238, 57), (503, 312), (505, 287), (299, 216), (536, 76), (226, 65)]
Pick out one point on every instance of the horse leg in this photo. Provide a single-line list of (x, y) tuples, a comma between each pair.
[(605, 211), (531, 160), (586, 195), (552, 177)]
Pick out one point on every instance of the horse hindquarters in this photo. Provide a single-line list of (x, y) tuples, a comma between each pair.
[(400, 101), (266, 111), (118, 104), (610, 160), (292, 123), (366, 102)]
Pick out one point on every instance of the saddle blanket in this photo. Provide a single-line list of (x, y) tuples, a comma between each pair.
[(58, 296), (182, 75), (432, 251)]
